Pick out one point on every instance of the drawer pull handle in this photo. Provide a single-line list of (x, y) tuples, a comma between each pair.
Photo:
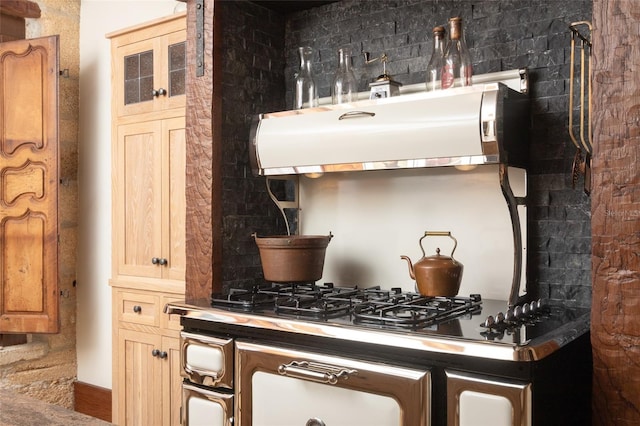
[(316, 372), (137, 309), (354, 114)]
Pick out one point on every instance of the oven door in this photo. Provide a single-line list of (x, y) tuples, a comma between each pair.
[(206, 407), (278, 386), (474, 400), (207, 360)]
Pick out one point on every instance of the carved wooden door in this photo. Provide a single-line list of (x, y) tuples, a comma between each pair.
[(29, 186)]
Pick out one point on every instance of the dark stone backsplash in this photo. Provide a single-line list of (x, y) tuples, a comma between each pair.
[(260, 62), (253, 82)]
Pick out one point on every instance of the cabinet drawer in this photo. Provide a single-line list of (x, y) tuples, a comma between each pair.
[(138, 308)]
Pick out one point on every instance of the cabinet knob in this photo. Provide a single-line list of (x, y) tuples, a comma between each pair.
[(159, 92), (155, 260), (162, 355), (137, 309), (155, 352), (163, 261)]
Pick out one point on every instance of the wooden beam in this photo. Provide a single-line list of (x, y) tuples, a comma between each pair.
[(615, 213), (11, 28), (203, 175), (20, 8)]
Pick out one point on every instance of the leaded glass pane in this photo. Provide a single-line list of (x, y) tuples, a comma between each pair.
[(131, 92), (146, 89), (177, 69), (138, 77), (131, 67), (146, 64)]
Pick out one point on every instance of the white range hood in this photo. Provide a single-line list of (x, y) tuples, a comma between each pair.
[(485, 123)]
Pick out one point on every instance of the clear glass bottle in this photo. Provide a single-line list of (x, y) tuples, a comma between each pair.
[(457, 68), (434, 69), (345, 86), (306, 93)]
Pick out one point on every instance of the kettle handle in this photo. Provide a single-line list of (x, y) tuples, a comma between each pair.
[(438, 234)]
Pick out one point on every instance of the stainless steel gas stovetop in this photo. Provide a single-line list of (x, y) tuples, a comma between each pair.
[(462, 325)]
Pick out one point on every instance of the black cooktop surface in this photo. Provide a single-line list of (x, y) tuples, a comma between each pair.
[(463, 317)]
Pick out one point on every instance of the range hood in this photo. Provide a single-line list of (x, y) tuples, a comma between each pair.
[(486, 123)]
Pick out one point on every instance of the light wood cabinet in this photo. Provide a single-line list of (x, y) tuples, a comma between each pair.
[(148, 196), (149, 200), (147, 374)]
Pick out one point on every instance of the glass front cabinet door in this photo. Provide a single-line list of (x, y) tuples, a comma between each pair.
[(150, 70)]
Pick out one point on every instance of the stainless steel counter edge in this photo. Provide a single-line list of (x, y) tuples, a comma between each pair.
[(535, 350)]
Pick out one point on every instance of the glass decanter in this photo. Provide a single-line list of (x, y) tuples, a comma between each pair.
[(345, 86)]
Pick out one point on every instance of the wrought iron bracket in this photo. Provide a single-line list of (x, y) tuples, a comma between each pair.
[(516, 226), (199, 5)]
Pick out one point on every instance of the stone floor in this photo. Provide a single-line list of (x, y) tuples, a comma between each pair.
[(20, 410)]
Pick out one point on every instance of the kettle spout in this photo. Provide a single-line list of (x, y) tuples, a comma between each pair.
[(411, 273)]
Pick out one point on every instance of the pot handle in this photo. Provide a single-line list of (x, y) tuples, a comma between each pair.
[(439, 234)]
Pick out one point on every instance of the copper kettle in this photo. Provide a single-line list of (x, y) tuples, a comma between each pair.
[(437, 275)]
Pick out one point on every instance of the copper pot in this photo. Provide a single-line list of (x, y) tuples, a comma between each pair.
[(437, 275), (292, 258)]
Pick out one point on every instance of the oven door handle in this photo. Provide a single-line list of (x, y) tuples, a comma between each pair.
[(316, 372)]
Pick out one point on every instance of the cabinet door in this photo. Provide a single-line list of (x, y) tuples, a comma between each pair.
[(173, 131), (149, 199), (175, 69), (172, 392), (139, 378), (150, 73), (29, 186), (137, 205)]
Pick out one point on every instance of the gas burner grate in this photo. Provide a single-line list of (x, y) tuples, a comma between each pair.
[(314, 307), (326, 301), (371, 305), (255, 298), (416, 311), (270, 295)]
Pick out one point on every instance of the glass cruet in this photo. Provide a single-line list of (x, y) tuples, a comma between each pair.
[(457, 68), (306, 93), (434, 69)]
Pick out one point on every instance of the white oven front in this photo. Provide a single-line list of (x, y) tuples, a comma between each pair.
[(277, 386)]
